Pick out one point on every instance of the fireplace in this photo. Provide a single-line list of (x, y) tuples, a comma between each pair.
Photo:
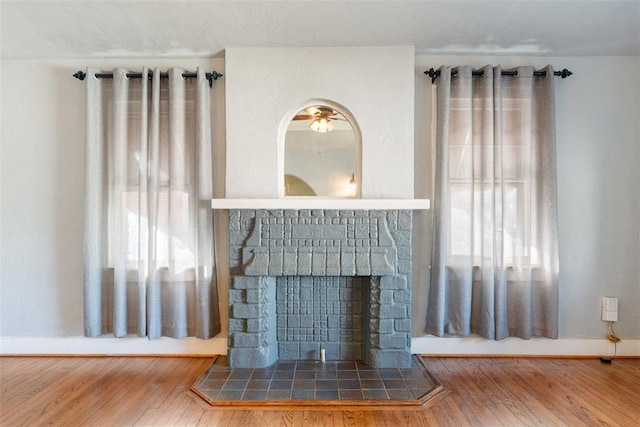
[(306, 282)]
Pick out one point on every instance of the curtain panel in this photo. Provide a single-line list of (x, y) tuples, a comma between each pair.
[(495, 247), (148, 244)]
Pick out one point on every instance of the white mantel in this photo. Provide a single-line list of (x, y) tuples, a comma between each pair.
[(322, 203)]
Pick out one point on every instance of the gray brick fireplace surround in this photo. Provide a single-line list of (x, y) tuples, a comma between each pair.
[(306, 280)]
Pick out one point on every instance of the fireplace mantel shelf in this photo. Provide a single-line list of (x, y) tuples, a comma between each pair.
[(322, 203)]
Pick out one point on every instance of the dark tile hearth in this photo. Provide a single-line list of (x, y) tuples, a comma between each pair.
[(306, 382)]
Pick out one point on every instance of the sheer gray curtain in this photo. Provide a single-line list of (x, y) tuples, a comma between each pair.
[(148, 248), (495, 248)]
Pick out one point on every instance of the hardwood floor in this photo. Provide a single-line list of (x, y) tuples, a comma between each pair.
[(153, 391)]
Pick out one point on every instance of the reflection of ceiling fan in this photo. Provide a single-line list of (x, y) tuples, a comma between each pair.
[(321, 118)]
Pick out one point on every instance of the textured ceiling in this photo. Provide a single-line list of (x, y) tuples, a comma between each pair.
[(187, 28)]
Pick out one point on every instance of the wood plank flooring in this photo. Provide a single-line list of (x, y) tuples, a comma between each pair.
[(154, 391)]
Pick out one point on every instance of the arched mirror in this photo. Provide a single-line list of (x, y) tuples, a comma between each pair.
[(320, 155)]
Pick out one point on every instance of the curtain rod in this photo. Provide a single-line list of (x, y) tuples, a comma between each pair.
[(212, 76), (434, 74)]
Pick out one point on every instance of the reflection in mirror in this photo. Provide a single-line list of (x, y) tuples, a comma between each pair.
[(296, 186), (320, 154)]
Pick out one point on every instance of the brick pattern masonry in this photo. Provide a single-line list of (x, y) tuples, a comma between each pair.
[(306, 279)]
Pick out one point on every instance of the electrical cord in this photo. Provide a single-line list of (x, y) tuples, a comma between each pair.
[(614, 338)]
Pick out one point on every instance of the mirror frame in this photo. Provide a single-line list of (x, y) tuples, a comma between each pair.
[(282, 132)]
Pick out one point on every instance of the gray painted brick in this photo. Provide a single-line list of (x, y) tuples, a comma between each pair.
[(253, 296), (237, 325), (393, 282), (293, 321), (281, 322), (386, 296), (363, 267), (245, 311), (389, 358), (237, 295), (333, 321), (393, 341), (247, 340), (404, 252), (402, 238), (318, 262), (290, 262), (392, 218), (333, 262), (257, 325), (275, 231), (404, 220), (333, 294), (402, 296), (331, 350), (348, 262), (402, 325), (306, 294), (246, 282), (374, 233), (386, 326), (289, 350), (252, 357), (281, 293), (404, 267), (350, 351), (304, 261), (275, 262), (309, 351), (306, 322), (393, 311), (334, 335)]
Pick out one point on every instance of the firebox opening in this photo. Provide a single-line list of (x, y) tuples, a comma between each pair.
[(316, 313)]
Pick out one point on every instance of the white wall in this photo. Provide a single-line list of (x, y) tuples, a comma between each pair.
[(41, 217), (598, 153), (265, 85), (42, 189)]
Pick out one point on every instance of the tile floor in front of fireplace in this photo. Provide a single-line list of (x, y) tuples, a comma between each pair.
[(308, 380)]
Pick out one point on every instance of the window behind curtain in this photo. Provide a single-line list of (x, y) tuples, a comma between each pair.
[(472, 171)]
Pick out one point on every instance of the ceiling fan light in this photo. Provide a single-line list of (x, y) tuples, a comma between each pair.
[(322, 125)]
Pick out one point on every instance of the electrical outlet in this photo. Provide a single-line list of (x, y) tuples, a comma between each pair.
[(609, 309)]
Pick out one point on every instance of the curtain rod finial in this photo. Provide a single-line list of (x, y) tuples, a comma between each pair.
[(434, 74), (213, 76), (565, 73), (80, 75)]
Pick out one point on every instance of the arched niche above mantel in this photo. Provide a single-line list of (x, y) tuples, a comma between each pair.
[(321, 147)]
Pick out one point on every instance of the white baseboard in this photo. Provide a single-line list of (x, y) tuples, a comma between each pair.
[(565, 347), (108, 346)]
